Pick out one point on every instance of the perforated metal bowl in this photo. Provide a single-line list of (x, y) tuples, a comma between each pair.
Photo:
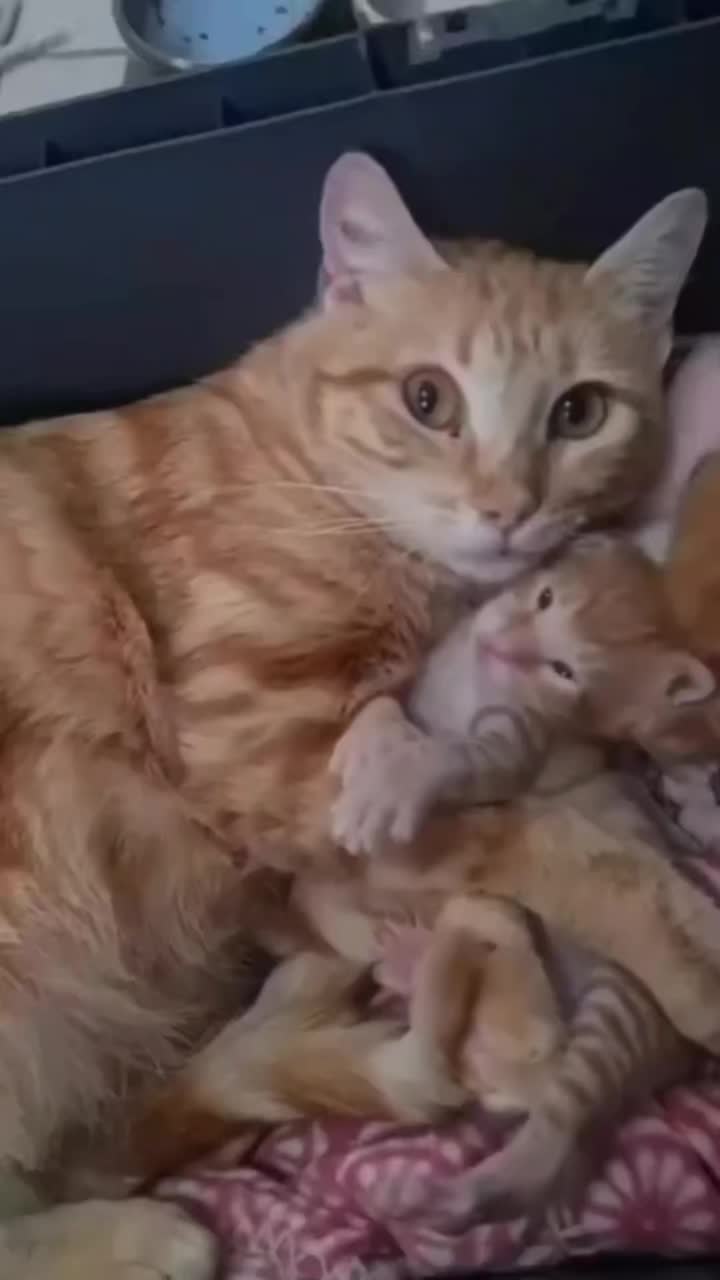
[(181, 34)]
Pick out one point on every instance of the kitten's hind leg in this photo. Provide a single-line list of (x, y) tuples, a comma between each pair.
[(621, 1049), (601, 886), (483, 997)]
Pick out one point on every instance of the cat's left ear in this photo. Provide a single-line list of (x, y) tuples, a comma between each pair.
[(366, 231), (685, 679), (648, 266)]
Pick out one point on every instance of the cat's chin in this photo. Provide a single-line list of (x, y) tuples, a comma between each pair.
[(493, 570)]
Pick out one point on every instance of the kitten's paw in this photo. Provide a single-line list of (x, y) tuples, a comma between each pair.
[(496, 1192), (390, 773), (123, 1240), (368, 813), (541, 1168)]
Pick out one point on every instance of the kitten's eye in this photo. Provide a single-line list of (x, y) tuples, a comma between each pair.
[(579, 412), (433, 399), (545, 599), (563, 670)]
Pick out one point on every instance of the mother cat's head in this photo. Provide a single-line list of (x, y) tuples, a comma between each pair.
[(482, 402)]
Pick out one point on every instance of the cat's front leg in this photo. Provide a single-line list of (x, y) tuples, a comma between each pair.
[(125, 1240), (390, 775)]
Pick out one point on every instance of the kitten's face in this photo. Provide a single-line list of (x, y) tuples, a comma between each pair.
[(478, 403), (489, 410), (596, 621)]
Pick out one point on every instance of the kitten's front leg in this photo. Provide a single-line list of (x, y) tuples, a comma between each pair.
[(390, 773)]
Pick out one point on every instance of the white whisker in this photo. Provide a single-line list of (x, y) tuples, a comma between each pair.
[(295, 484), (326, 530)]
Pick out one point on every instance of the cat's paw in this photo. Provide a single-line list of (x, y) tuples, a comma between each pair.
[(122, 1240), (389, 773)]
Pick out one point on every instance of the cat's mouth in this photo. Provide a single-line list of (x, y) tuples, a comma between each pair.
[(521, 661), (498, 568)]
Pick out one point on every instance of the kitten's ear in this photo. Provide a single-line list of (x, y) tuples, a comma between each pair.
[(685, 679), (366, 230), (648, 266)]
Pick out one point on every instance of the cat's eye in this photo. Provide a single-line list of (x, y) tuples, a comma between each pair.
[(433, 398), (545, 599), (563, 670), (579, 412)]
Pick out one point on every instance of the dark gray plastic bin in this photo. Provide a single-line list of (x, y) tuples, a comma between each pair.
[(149, 235)]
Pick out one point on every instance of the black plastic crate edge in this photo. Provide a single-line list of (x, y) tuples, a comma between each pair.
[(184, 106), (61, 162)]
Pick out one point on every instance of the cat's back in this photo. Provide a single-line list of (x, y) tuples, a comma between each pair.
[(266, 598)]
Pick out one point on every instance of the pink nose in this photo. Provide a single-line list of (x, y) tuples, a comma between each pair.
[(516, 508)]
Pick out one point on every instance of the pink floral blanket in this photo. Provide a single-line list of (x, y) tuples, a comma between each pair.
[(335, 1201)]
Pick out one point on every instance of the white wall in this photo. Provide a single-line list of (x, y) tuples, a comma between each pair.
[(92, 33)]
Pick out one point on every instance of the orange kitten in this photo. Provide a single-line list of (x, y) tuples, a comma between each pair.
[(585, 647)]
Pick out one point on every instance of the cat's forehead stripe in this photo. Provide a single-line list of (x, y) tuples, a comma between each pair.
[(465, 344)]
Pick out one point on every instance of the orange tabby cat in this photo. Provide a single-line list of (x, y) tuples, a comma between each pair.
[(294, 533)]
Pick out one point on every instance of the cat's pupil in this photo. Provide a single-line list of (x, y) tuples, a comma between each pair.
[(434, 400), (573, 408), (562, 669), (545, 598), (579, 412), (427, 397)]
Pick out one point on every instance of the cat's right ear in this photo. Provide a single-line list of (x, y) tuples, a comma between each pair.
[(648, 266), (366, 231)]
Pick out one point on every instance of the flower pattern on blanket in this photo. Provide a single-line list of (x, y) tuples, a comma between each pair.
[(334, 1201), (320, 1201)]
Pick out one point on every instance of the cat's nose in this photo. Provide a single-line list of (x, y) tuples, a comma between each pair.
[(512, 511)]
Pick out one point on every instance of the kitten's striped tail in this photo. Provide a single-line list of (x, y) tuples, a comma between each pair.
[(621, 1049)]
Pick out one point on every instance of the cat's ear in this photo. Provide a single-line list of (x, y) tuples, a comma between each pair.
[(685, 679), (648, 266), (366, 231)]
